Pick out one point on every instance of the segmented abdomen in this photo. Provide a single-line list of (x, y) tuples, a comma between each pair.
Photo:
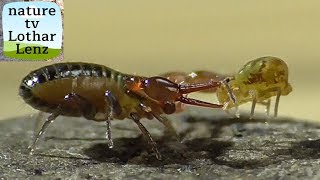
[(40, 86)]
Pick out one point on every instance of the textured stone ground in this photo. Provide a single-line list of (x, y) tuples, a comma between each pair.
[(213, 146)]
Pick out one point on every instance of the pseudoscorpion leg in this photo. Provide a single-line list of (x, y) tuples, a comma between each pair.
[(112, 109), (84, 106), (146, 134), (37, 123), (48, 121), (167, 123), (108, 133)]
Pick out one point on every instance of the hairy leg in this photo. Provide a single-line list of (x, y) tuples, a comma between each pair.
[(114, 108), (146, 134), (48, 121), (167, 123), (81, 103)]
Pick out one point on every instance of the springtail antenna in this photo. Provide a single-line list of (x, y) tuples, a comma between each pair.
[(231, 95)]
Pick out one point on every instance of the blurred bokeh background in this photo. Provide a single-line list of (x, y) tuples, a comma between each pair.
[(152, 37)]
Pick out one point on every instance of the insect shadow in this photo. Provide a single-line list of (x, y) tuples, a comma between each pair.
[(307, 149), (273, 152), (213, 148), (132, 151)]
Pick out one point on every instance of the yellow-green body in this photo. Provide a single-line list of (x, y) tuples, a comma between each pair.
[(259, 79)]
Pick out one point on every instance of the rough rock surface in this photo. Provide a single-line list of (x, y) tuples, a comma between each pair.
[(213, 146)]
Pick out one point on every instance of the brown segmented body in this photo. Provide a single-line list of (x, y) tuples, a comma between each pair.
[(44, 89), (100, 93)]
